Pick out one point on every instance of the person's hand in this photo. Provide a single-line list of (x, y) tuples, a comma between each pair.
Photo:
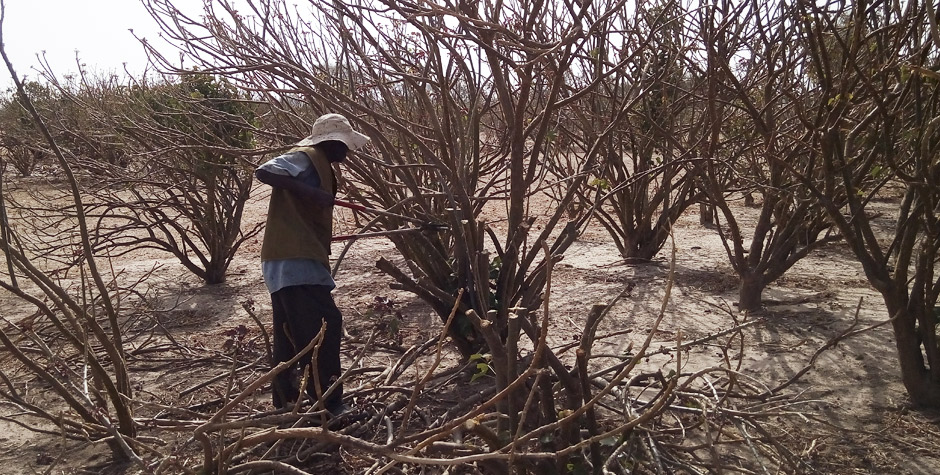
[(322, 199)]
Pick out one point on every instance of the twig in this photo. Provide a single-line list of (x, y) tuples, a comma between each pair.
[(61, 453), (750, 443), (216, 378), (596, 459), (200, 432), (437, 361), (272, 465), (318, 433), (126, 449), (623, 373), (710, 337), (228, 393), (264, 331), (655, 452), (339, 381)]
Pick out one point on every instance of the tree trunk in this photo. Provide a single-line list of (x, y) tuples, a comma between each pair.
[(215, 273), (641, 246), (922, 387), (705, 214), (749, 293)]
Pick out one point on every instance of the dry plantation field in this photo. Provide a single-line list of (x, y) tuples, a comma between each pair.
[(853, 414)]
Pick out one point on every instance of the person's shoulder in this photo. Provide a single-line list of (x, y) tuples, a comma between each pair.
[(293, 163)]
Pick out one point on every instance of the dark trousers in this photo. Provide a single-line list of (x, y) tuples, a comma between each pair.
[(298, 313)]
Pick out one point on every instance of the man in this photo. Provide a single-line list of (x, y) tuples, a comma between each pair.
[(295, 258)]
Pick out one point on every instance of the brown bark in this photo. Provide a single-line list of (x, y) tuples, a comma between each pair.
[(749, 292)]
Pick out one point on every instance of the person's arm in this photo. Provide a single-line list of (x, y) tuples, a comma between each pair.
[(312, 195)]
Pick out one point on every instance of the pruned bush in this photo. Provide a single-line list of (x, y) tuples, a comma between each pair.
[(170, 164), (21, 142)]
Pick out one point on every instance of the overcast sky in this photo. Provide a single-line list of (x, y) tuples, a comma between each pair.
[(97, 29)]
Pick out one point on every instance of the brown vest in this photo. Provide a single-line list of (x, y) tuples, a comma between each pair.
[(295, 230)]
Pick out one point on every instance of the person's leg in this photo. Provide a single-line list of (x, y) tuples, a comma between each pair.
[(283, 391), (328, 358), (306, 307)]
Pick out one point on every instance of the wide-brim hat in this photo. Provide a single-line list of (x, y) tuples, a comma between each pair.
[(334, 127)]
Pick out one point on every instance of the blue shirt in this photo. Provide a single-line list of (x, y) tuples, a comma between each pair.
[(287, 272)]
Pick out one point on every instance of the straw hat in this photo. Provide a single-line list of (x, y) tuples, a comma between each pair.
[(334, 127)]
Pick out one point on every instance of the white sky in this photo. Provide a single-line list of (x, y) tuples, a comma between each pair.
[(97, 29)]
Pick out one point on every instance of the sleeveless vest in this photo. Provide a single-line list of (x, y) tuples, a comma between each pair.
[(295, 230)]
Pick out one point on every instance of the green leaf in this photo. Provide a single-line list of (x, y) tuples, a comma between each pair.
[(600, 183), (577, 467), (482, 368), (610, 441), (495, 265)]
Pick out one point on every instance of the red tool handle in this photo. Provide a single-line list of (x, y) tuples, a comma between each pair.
[(424, 224), (346, 204), (347, 237)]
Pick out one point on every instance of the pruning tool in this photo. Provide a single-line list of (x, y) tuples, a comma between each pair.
[(422, 225)]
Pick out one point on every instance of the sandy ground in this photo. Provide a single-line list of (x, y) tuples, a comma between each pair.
[(857, 418)]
